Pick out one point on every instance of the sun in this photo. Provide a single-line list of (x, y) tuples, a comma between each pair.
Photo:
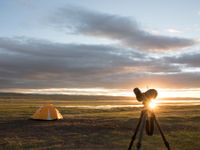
[(152, 104)]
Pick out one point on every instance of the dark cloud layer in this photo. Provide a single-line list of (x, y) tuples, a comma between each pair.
[(178, 80), (30, 63), (33, 63), (190, 60), (127, 32), (27, 63)]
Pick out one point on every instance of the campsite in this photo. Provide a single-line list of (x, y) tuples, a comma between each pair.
[(88, 129)]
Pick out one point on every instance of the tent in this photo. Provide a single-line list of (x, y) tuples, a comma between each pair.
[(47, 112)]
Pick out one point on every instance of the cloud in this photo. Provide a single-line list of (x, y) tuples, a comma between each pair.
[(37, 64), (121, 29), (33, 63), (190, 60), (178, 80), (30, 63), (173, 31)]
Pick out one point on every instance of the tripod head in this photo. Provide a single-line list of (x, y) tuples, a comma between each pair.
[(145, 97)]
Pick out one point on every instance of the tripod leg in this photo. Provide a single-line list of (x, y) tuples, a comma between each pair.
[(136, 131), (162, 134), (150, 124), (141, 132)]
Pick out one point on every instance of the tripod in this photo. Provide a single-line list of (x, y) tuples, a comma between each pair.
[(147, 116)]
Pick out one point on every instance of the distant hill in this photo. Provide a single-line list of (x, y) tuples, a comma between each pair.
[(78, 97), (62, 97)]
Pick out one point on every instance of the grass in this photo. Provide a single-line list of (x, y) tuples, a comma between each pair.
[(89, 129)]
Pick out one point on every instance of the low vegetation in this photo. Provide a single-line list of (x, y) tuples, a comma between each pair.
[(89, 129)]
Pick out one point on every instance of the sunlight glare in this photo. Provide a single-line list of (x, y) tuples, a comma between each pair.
[(152, 104)]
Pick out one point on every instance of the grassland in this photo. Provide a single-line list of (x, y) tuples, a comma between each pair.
[(91, 129)]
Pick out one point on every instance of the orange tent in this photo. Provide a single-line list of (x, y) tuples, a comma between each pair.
[(47, 112)]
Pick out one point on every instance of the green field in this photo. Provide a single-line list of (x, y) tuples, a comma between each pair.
[(91, 129)]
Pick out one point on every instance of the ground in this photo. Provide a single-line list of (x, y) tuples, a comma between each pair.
[(89, 129)]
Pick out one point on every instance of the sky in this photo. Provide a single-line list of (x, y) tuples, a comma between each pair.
[(100, 47)]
